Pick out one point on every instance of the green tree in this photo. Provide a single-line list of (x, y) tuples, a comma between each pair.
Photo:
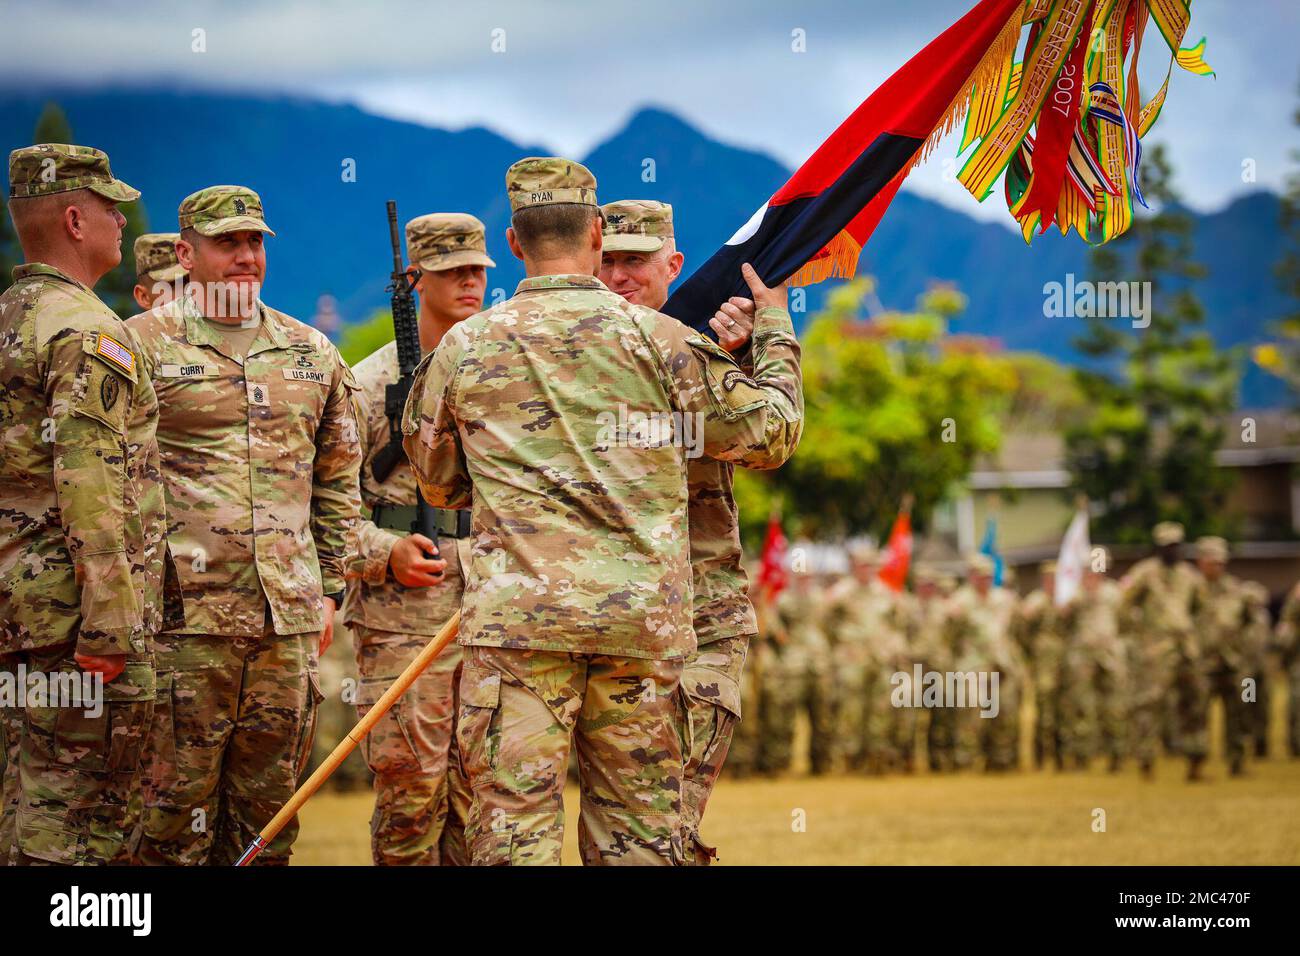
[(52, 126), (893, 405), (362, 338), (1282, 357), (10, 253), (1156, 395)]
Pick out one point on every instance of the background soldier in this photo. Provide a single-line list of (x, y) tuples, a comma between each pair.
[(157, 269), (979, 621), (398, 596), (639, 260), (575, 615), (796, 677), (930, 648), (260, 458), (1095, 688), (1037, 629), (859, 610), (1227, 626), (1156, 610), (1288, 645), (82, 558)]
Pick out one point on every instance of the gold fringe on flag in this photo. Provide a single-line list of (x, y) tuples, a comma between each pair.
[(990, 70), (837, 260)]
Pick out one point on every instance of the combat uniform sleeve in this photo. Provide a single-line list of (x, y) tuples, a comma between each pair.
[(750, 420), (374, 544), (432, 439), (89, 381), (336, 477)]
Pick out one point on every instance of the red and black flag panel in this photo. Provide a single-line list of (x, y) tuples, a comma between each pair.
[(815, 226), (1062, 125)]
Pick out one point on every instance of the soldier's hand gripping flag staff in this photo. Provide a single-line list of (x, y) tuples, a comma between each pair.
[(446, 634), (1078, 166)]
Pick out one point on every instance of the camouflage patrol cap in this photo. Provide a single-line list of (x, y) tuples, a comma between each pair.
[(1047, 567), (155, 256), (220, 209), (1167, 532), (637, 225), (861, 552), (979, 564), (59, 167), (546, 180), (445, 240), (1212, 548)]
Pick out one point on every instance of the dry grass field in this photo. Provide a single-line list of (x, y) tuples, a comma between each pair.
[(1030, 817)]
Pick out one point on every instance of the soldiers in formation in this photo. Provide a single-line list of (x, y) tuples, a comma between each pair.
[(191, 495), (1125, 668)]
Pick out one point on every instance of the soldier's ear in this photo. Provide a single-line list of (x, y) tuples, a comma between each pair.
[(74, 221), (675, 262), (512, 241), (141, 296), (185, 254)]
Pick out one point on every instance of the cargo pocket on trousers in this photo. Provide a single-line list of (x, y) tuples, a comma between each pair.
[(161, 758), (108, 735), (493, 848), (701, 688), (308, 734), (387, 749), (46, 837), (478, 726)]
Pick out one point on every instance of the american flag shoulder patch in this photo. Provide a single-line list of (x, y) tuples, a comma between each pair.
[(112, 350)]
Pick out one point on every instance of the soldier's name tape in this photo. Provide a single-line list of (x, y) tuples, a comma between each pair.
[(188, 371)]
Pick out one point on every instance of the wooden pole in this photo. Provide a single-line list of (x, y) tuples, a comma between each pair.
[(446, 634)]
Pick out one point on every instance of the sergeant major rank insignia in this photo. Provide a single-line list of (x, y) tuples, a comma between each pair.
[(240, 208), (257, 394)]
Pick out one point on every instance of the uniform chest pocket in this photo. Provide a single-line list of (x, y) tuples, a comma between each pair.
[(300, 383)]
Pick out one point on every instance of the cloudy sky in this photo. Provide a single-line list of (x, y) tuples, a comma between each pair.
[(566, 74)]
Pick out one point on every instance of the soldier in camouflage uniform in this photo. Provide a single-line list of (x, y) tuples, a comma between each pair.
[(1287, 641), (1037, 630), (979, 625), (82, 552), (796, 678), (1156, 615), (1227, 625), (399, 596), (865, 627), (1094, 686), (639, 261), (930, 649), (555, 410), (260, 458), (157, 270)]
